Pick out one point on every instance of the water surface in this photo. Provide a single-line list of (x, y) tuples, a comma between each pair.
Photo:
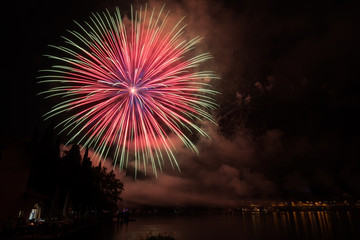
[(245, 226)]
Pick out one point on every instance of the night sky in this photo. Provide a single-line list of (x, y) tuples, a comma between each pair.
[(288, 122)]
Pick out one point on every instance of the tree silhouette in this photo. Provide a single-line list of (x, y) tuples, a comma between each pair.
[(89, 189), (69, 178), (70, 181), (107, 189)]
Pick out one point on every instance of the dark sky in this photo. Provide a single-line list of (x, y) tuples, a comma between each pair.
[(288, 122)]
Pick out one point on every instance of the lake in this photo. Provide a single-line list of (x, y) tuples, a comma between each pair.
[(245, 226)]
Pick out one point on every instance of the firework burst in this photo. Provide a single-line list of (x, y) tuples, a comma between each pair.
[(130, 87)]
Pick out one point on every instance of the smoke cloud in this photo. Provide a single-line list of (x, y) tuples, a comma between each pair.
[(286, 122)]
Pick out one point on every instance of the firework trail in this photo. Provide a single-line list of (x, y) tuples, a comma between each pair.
[(129, 87)]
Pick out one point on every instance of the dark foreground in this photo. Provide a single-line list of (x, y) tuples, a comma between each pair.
[(246, 225)]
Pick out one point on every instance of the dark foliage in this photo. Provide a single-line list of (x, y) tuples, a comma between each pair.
[(91, 189)]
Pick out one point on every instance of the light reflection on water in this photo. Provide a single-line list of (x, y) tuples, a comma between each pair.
[(274, 225)]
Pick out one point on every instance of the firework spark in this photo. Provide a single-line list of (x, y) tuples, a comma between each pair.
[(129, 87)]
